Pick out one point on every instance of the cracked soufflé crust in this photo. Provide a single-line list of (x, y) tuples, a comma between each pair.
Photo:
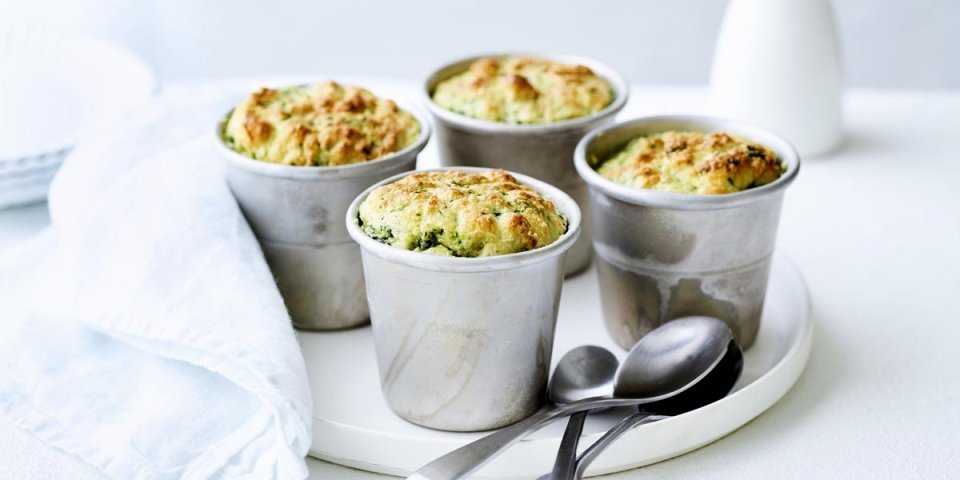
[(461, 214), (520, 90), (692, 162), (323, 124)]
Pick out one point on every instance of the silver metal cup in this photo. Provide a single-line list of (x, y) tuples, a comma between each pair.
[(540, 151), (464, 344), (665, 255), (297, 214)]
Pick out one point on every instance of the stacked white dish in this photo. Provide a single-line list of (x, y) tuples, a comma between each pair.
[(52, 87)]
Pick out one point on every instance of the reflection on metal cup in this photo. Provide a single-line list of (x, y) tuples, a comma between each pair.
[(297, 214), (665, 255), (464, 344)]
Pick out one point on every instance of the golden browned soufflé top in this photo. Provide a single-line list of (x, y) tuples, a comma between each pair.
[(521, 90), (692, 162), (461, 214), (322, 124)]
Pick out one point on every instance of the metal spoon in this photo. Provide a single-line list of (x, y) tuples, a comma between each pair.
[(584, 372), (665, 362), (717, 384)]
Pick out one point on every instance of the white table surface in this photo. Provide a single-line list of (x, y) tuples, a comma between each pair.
[(875, 227)]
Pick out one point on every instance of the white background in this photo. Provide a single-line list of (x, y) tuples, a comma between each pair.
[(874, 226), (887, 43)]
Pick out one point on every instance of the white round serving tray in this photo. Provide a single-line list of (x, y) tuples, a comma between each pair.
[(353, 425)]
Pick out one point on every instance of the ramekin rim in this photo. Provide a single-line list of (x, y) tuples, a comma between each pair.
[(786, 152), (439, 263), (613, 78)]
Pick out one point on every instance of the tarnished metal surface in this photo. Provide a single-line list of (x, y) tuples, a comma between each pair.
[(297, 214), (464, 344), (664, 255)]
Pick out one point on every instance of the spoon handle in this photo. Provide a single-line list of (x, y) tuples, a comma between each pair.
[(625, 425), (468, 458), (565, 466)]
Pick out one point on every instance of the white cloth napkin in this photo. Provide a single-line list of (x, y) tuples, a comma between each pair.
[(143, 332)]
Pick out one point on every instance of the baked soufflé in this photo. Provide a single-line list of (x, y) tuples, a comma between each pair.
[(323, 124), (519, 90), (460, 214), (692, 162)]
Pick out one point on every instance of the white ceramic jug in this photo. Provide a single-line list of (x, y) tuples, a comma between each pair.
[(777, 64)]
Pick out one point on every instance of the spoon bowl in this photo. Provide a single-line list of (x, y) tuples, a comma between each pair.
[(587, 371), (672, 358), (714, 385)]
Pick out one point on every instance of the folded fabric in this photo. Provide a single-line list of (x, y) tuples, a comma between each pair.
[(143, 330)]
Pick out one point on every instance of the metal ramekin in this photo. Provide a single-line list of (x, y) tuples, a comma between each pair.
[(464, 344), (543, 151), (296, 213), (665, 255)]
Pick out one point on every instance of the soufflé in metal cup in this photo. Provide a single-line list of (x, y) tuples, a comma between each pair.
[(685, 220), (464, 269), (525, 114), (296, 157)]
